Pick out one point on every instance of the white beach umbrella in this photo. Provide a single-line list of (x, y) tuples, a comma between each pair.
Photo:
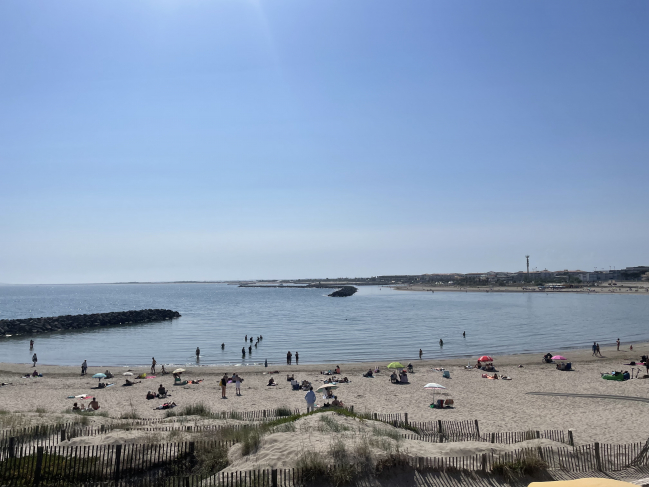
[(434, 386), (127, 373), (178, 371), (326, 386)]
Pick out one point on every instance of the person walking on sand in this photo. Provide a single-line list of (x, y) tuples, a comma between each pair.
[(297, 358), (420, 353), (238, 384), (153, 364), (34, 359), (598, 350), (310, 400), (618, 344), (84, 367), (223, 384), (594, 348)]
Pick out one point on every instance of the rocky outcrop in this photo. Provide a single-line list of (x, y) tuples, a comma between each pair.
[(77, 322), (344, 292)]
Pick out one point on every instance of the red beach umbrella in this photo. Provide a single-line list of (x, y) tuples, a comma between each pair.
[(486, 358)]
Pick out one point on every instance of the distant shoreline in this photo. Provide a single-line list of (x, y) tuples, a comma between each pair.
[(638, 289)]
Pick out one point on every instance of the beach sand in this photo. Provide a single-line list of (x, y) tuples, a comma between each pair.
[(636, 288), (498, 405)]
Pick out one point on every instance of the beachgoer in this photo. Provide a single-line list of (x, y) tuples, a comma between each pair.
[(245, 339), (75, 407), (368, 373), (222, 346), (34, 359), (599, 351), (223, 384), (337, 369), (297, 358), (150, 395), (31, 344), (198, 354), (310, 400), (250, 339), (256, 343), (162, 391), (336, 402), (464, 334), (153, 364), (243, 351), (94, 404), (271, 382), (237, 383), (618, 344), (594, 348), (84, 367), (163, 371), (265, 362), (250, 349), (288, 357), (420, 353)]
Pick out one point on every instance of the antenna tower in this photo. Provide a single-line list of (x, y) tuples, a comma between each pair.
[(528, 265)]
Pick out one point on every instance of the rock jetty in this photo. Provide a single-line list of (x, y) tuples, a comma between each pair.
[(344, 292), (77, 322)]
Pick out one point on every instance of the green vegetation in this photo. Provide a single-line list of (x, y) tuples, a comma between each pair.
[(525, 465)]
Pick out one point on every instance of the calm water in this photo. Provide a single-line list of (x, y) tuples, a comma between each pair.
[(375, 324)]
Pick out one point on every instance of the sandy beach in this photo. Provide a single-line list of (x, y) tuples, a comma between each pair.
[(498, 405), (640, 288)]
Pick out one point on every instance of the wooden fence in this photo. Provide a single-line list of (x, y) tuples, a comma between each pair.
[(177, 464)]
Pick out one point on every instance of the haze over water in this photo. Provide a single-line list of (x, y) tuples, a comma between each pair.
[(375, 324)]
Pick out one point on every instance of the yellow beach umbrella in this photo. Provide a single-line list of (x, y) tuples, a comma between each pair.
[(395, 365)]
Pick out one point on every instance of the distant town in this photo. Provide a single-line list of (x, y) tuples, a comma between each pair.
[(534, 276)]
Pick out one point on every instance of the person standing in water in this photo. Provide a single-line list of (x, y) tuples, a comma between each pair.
[(222, 346), (441, 342), (198, 354), (31, 344), (297, 358), (464, 334), (243, 351), (245, 339), (250, 350), (34, 359), (420, 353)]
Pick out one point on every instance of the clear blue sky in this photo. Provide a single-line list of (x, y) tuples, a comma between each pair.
[(235, 139)]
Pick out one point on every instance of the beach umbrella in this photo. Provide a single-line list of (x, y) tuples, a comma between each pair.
[(325, 386), (486, 358), (559, 357), (99, 376), (178, 371), (127, 373), (434, 387), (395, 365)]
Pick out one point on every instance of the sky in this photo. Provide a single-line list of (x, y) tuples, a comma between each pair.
[(164, 140)]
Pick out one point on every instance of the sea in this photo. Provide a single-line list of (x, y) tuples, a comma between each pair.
[(377, 324)]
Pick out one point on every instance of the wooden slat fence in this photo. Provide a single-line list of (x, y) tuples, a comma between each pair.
[(172, 464)]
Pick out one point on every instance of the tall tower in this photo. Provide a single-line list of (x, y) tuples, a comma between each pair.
[(528, 265)]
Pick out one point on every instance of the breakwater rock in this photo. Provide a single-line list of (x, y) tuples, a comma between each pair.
[(344, 292), (78, 322)]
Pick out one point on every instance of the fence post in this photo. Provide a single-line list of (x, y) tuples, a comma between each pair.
[(39, 465), (118, 459), (405, 415), (477, 428), (440, 433), (483, 464), (493, 437), (12, 447), (571, 439), (351, 408), (375, 415), (274, 477), (538, 434), (598, 459), (62, 434)]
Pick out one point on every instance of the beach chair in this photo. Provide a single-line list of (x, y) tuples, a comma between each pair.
[(446, 374), (568, 366)]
